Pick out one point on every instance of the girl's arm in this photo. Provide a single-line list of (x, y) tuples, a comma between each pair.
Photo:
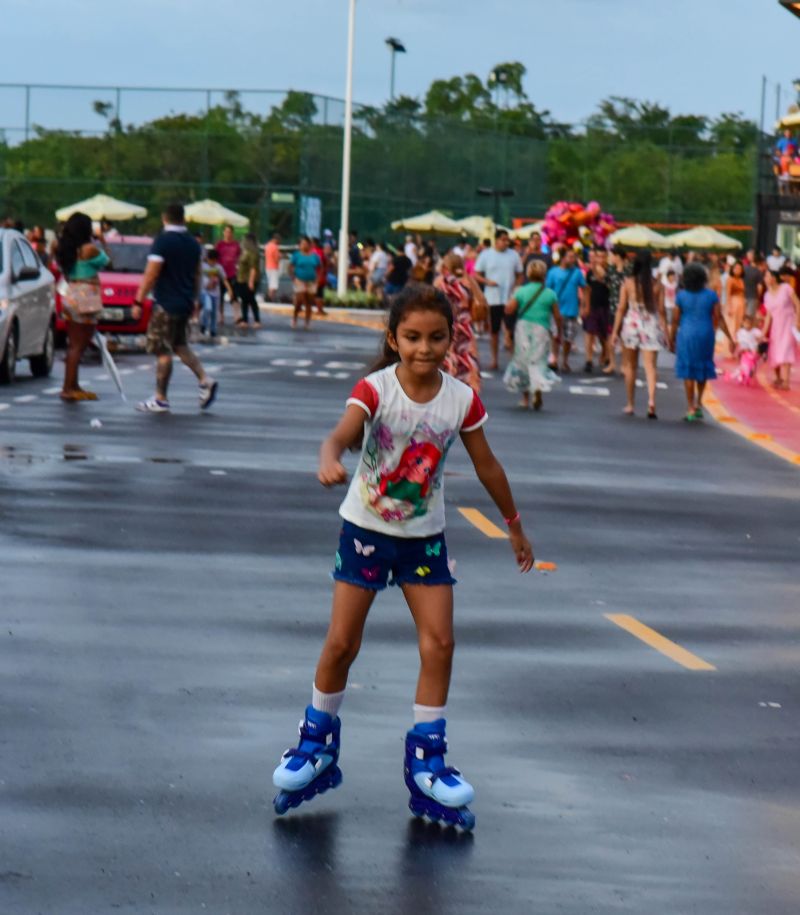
[(491, 474), (477, 292), (621, 309), (347, 433), (676, 320), (718, 320)]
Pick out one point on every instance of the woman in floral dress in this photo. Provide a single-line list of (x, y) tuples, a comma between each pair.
[(641, 324), (461, 291)]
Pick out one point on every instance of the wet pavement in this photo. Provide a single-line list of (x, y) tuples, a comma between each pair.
[(164, 592)]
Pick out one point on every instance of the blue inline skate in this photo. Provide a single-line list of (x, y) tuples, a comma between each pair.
[(437, 791), (310, 768)]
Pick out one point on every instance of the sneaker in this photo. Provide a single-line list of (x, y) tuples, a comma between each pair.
[(208, 394), (153, 405)]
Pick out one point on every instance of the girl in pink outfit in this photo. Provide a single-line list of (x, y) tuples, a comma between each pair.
[(783, 315)]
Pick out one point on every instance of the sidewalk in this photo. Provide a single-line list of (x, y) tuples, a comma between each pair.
[(764, 416), (375, 320)]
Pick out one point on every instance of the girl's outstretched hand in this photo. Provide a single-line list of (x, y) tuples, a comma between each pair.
[(331, 473), (522, 550)]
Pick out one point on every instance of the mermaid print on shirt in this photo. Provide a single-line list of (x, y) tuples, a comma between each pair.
[(398, 486)]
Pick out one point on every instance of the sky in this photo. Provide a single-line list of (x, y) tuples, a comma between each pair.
[(694, 56)]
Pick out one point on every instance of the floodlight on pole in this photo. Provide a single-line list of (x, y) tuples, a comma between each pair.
[(396, 47), (344, 231), (496, 193)]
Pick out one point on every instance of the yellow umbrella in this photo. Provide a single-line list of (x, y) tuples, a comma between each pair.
[(639, 237), (211, 213), (478, 226), (525, 232), (433, 221), (703, 238), (791, 119), (101, 206)]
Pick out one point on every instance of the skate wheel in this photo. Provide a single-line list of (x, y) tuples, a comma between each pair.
[(466, 820), (281, 802)]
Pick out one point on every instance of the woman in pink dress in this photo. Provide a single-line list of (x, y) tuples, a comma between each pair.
[(461, 290), (783, 317)]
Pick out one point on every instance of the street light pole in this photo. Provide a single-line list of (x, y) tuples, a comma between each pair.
[(344, 231), (396, 47)]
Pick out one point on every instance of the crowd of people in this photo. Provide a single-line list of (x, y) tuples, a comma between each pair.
[(628, 305)]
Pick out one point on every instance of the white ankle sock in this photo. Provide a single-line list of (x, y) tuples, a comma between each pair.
[(428, 713), (327, 702)]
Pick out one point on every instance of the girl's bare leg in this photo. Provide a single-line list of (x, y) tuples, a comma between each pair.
[(688, 386), (432, 609), (651, 375), (701, 389), (349, 613), (630, 362)]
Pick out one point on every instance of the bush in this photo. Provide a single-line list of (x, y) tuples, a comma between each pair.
[(353, 299)]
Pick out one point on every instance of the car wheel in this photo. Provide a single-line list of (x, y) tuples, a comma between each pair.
[(8, 362), (42, 365)]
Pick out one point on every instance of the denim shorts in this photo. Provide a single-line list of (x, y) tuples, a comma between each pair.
[(367, 559)]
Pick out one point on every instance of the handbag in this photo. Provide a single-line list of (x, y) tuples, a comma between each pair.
[(81, 298)]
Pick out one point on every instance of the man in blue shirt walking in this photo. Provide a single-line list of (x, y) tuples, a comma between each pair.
[(568, 283), (174, 273)]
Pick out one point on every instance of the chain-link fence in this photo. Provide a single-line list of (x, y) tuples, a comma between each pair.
[(268, 154)]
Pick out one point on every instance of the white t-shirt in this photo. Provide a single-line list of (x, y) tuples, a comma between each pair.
[(748, 339), (398, 487), (379, 260), (670, 289), (502, 268), (775, 262), (668, 263), (410, 251)]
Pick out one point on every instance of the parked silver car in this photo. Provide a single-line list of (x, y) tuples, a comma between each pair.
[(27, 308)]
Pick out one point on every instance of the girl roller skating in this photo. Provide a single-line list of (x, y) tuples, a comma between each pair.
[(408, 413)]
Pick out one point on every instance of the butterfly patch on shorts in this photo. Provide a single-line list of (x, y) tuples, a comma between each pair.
[(338, 562), (371, 574), (363, 549), (433, 549)]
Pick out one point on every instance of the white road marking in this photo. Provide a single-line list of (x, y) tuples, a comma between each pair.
[(592, 381), (302, 373), (292, 363), (101, 378), (345, 365), (126, 371), (4, 406), (26, 398), (145, 368), (322, 374), (487, 375), (770, 705), (53, 390), (662, 386), (265, 371), (594, 392), (218, 473), (342, 375)]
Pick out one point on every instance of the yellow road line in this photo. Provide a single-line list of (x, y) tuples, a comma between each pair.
[(484, 525), (655, 640), (762, 439)]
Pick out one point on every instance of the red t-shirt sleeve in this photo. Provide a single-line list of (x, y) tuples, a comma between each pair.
[(476, 415), (365, 396)]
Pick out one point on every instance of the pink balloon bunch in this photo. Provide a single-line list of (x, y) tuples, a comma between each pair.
[(566, 223)]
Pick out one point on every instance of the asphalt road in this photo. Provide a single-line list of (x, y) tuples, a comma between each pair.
[(164, 592)]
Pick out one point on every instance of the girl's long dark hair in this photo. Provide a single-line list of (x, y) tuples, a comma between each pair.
[(76, 233), (643, 277), (413, 297)]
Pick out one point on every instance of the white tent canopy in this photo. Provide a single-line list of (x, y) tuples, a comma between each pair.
[(210, 213), (524, 233), (432, 221), (101, 206), (639, 236), (703, 238)]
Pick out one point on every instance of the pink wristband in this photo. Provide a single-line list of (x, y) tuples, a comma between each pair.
[(510, 521)]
